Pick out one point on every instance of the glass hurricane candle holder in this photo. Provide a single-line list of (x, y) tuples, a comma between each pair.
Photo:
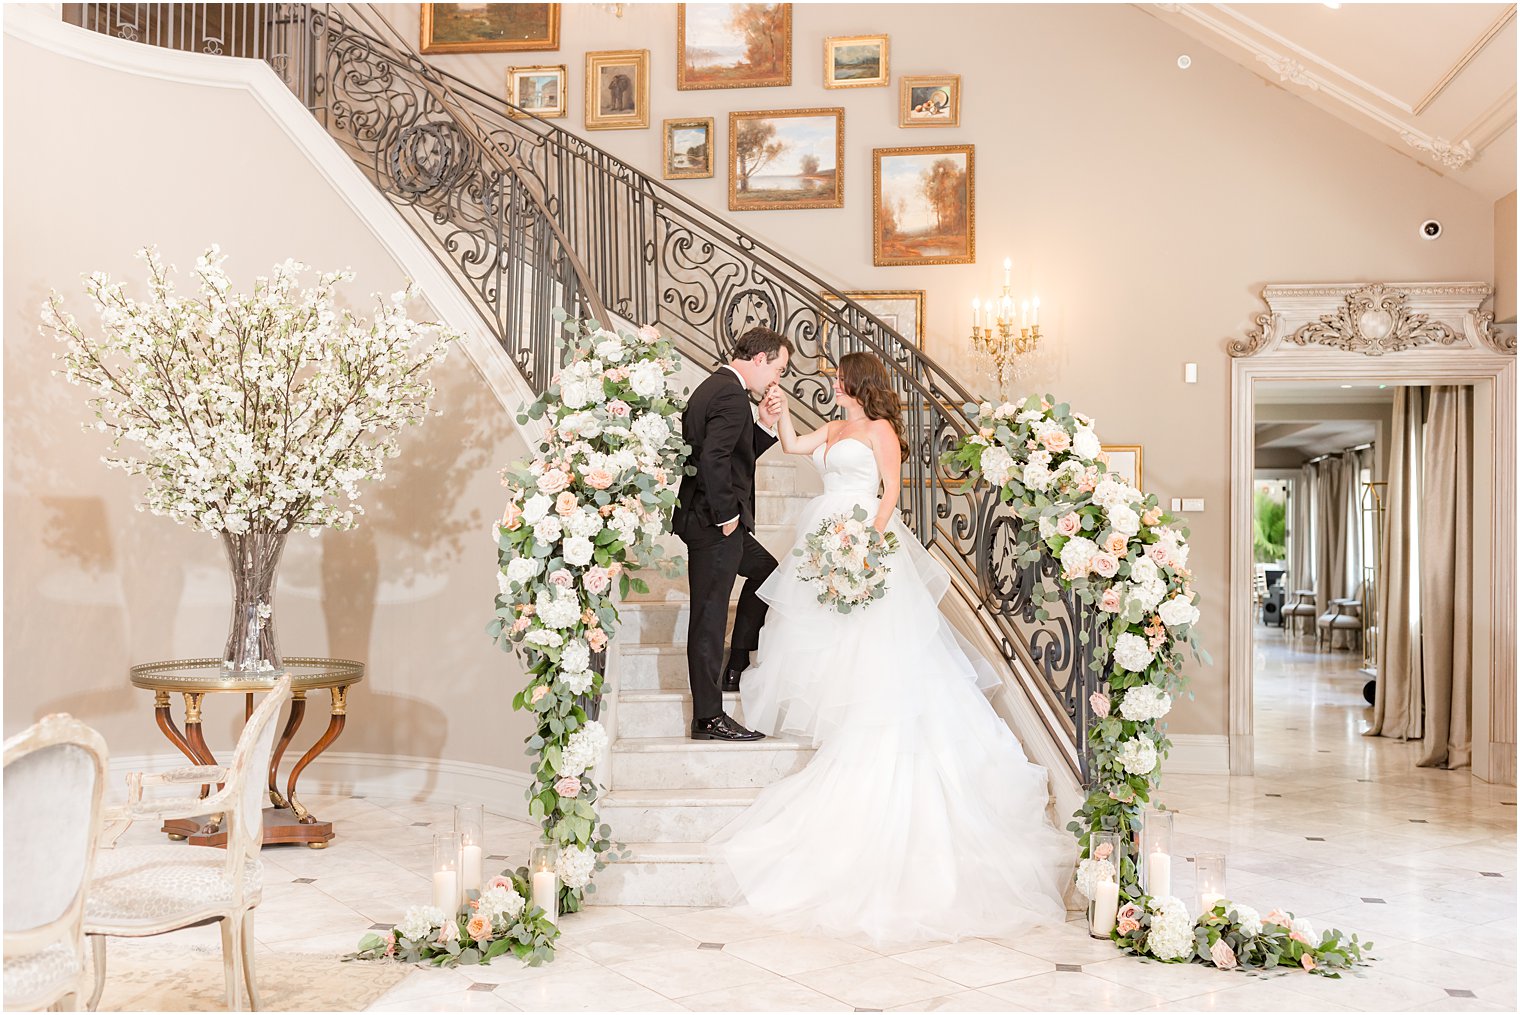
[(446, 891), (1103, 907), (470, 826), (1211, 888), (543, 878), (1156, 854)]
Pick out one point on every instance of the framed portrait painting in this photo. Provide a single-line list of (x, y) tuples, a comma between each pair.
[(489, 28), (929, 101), (856, 61), (925, 205), (617, 89), (786, 158), (1124, 461), (733, 45), (688, 149), (536, 90)]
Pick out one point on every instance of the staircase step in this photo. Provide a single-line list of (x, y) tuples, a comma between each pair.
[(775, 508), (665, 874), (652, 667), (680, 763), (662, 713), (672, 815), (660, 622), (776, 475)]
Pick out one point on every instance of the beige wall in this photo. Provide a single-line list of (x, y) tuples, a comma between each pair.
[(1504, 258), (115, 161), (1147, 205)]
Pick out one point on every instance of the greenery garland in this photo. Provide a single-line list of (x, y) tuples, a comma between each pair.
[(1125, 557), (492, 922)]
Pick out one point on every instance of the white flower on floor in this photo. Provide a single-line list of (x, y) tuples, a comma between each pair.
[(584, 749), (1248, 918), (1171, 933), (500, 902), (575, 867), (1131, 652), (419, 921), (1091, 873), (1145, 703), (1137, 756)]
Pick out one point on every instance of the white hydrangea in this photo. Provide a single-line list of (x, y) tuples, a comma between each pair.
[(1091, 873), (1112, 491), (1047, 526), (537, 508), (419, 921), (575, 866), (542, 637), (1137, 756), (997, 465), (1144, 571), (585, 523), (500, 904), (578, 551), (577, 682), (1304, 927), (557, 608), (1171, 931), (647, 378), (1077, 555), (1178, 611), (1030, 416), (1248, 918), (521, 570), (548, 530), (651, 428), (1147, 594), (1132, 653), (575, 656), (583, 749), (1145, 703)]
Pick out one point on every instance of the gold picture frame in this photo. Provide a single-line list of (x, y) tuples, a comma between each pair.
[(693, 167), (519, 77), (859, 70), (448, 30), (879, 302), (916, 94), (713, 32), (897, 177), (812, 185), (1120, 463), (608, 89)]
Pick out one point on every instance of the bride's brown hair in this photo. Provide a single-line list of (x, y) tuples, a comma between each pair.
[(864, 378)]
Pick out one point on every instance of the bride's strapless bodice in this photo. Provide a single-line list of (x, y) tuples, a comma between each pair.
[(848, 466)]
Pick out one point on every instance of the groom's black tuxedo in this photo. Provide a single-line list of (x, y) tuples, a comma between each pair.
[(725, 441)]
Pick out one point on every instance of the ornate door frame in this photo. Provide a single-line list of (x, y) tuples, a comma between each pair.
[(1396, 333)]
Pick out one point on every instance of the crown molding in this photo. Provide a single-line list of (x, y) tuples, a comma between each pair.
[(1296, 66)]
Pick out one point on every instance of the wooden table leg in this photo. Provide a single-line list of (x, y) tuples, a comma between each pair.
[(199, 753), (166, 724), (297, 713), (334, 727)]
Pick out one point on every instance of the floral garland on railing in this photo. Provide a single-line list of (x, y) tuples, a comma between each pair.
[(581, 517), (1125, 557)]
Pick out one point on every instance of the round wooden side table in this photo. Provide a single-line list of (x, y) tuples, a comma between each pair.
[(287, 820)]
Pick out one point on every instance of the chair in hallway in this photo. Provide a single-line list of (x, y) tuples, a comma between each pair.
[(54, 777), (142, 891), (1301, 607), (1343, 615)]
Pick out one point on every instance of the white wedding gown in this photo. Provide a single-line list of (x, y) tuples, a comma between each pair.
[(919, 818)]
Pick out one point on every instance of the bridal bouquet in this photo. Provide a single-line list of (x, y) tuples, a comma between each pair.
[(844, 560)]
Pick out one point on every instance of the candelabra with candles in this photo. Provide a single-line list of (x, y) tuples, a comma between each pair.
[(1005, 337)]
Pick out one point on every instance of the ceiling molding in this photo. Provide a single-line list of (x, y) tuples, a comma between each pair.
[(1294, 65)]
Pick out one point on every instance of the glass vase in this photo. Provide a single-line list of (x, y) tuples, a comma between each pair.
[(1209, 868), (1103, 907), (446, 890), (1156, 854), (543, 881), (251, 646), (470, 826)]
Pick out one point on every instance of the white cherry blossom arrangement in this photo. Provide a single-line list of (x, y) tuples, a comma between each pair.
[(1125, 557), (844, 560), (581, 518)]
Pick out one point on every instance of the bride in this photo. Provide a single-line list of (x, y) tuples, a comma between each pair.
[(919, 818)]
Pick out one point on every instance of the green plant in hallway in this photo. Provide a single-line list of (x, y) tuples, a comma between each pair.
[(1271, 528)]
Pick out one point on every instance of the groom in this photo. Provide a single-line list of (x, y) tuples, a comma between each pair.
[(715, 517)]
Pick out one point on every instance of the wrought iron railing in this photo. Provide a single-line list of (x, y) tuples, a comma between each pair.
[(527, 216)]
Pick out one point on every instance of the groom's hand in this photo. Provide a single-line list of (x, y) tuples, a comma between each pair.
[(771, 405), (728, 529)]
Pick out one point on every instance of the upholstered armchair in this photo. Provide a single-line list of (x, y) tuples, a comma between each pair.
[(1302, 608), (145, 890), (54, 777)]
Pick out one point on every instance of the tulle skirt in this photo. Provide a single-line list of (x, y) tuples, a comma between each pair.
[(919, 817)]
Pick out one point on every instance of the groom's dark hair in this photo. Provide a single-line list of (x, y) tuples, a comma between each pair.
[(761, 340)]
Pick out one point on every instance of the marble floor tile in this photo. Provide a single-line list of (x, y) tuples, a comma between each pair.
[(977, 963), (787, 954), (877, 983), (622, 942), (598, 989), (779, 994), (695, 971), (966, 1000), (1163, 980), (1063, 991), (1254, 994)]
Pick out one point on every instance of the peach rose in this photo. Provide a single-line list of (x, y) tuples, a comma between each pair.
[(511, 518), (986, 432), (568, 786), (1099, 702), (597, 639), (1110, 601), (479, 928), (1088, 483), (538, 694), (1223, 955), (1152, 516), (1116, 543), (1127, 925), (1280, 918), (553, 481), (1069, 524), (1308, 962), (561, 578), (588, 615), (648, 333), (1031, 444), (1056, 441), (1300, 937), (566, 504), (500, 881), (599, 479), (520, 625), (615, 568), (1105, 564), (619, 409), (597, 581), (1104, 851), (448, 932)]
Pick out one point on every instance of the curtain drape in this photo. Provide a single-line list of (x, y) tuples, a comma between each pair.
[(1301, 535), (1351, 514), (1397, 711), (1446, 579), (1329, 534)]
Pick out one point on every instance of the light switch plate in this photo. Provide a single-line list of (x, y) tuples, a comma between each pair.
[(1192, 503), (1176, 503), (1190, 373)]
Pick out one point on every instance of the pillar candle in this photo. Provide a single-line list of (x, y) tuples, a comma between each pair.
[(976, 313), (1105, 907), (1158, 875), (1210, 900), (446, 892), (470, 867), (546, 894)]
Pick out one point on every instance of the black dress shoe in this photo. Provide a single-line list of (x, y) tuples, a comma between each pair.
[(731, 680), (722, 727)]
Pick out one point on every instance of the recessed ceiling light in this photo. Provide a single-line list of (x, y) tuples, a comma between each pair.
[(1184, 61), (1382, 386), (1333, 6), (1345, 385)]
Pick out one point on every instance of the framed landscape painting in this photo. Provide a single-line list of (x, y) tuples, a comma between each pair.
[(489, 28), (925, 205), (733, 45), (617, 89), (902, 310), (1124, 461), (688, 149), (855, 61), (786, 158), (536, 90), (930, 101)]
